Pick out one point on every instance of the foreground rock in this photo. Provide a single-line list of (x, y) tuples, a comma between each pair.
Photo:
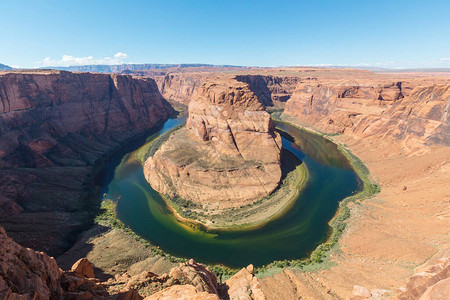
[(244, 285), (429, 281), (28, 274), (55, 128), (228, 155), (190, 273)]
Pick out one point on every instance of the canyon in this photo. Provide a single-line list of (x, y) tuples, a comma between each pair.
[(56, 127), (56, 130), (397, 123), (227, 156)]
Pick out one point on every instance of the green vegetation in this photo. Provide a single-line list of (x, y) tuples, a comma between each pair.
[(150, 148), (274, 110), (319, 258), (177, 106), (280, 117), (107, 217), (246, 216), (222, 272)]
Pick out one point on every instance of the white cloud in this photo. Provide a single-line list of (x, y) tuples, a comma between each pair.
[(445, 59), (121, 55), (69, 60)]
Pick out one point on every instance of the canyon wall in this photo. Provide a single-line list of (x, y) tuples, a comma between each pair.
[(56, 127), (271, 90), (228, 156), (414, 111), (180, 86)]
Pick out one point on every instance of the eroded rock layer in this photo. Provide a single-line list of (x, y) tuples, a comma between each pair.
[(179, 87), (55, 128), (272, 91), (413, 111), (228, 156)]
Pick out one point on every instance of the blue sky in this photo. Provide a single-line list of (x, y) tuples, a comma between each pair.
[(395, 33)]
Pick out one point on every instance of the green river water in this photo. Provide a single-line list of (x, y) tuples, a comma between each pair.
[(294, 235)]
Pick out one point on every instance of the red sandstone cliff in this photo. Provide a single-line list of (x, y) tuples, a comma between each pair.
[(180, 86), (228, 156), (55, 127), (414, 112), (271, 90)]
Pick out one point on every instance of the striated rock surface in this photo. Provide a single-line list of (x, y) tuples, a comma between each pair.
[(429, 281), (414, 111), (228, 155), (28, 274), (180, 86), (271, 90), (55, 128)]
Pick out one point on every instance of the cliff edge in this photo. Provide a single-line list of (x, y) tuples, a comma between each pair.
[(227, 156)]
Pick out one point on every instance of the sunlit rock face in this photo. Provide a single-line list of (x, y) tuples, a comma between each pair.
[(414, 112), (227, 156)]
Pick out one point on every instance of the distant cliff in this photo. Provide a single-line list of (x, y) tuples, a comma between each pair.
[(180, 87), (55, 128), (270, 90), (414, 111), (136, 67)]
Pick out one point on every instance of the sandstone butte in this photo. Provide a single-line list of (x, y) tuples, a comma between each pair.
[(395, 244), (228, 155)]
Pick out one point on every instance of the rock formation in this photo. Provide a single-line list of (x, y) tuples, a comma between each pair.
[(28, 274), (414, 111), (228, 155), (429, 281), (270, 90), (245, 285), (179, 86), (55, 128)]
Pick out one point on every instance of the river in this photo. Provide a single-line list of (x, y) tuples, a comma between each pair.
[(294, 235)]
